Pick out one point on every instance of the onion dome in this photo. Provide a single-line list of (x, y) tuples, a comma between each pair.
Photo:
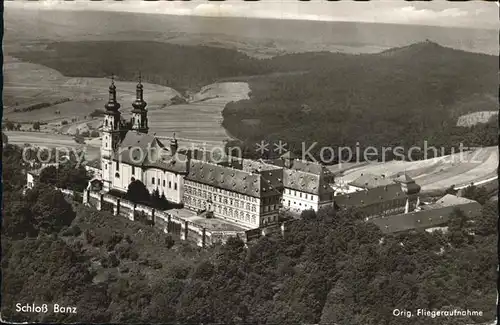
[(112, 104), (139, 104)]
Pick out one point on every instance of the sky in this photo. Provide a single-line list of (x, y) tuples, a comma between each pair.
[(478, 14)]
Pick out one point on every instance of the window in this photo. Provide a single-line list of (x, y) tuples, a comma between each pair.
[(158, 181), (117, 165), (300, 194), (164, 185), (152, 180), (306, 196), (169, 184), (105, 166), (133, 170), (175, 186)]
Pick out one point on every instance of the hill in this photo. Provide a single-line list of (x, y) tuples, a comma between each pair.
[(398, 97), (402, 96), (256, 37), (180, 67)]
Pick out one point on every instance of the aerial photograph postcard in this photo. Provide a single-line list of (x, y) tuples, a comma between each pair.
[(262, 162)]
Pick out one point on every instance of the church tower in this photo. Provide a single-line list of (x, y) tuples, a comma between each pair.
[(111, 130), (139, 120)]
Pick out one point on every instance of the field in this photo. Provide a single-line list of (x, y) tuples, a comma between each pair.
[(475, 118), (456, 170), (47, 140), (196, 122)]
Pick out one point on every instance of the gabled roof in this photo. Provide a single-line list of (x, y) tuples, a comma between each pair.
[(308, 167), (305, 182), (370, 181), (235, 180), (143, 150), (452, 200), (409, 221), (370, 196)]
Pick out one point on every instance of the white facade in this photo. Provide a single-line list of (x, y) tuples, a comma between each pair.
[(248, 211), (298, 201), (168, 183)]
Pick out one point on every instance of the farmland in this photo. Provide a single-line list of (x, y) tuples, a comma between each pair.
[(457, 170), (197, 121)]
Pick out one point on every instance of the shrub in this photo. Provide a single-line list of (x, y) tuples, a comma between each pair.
[(113, 260), (179, 271), (94, 134), (169, 241), (97, 113), (78, 198), (89, 236), (64, 122), (72, 231), (113, 240), (97, 242)]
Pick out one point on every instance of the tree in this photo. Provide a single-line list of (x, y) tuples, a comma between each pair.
[(49, 175), (36, 126), (475, 193), (18, 221), (50, 209), (9, 125), (18, 127), (486, 224), (137, 192)]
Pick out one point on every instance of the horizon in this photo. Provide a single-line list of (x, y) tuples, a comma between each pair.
[(467, 15)]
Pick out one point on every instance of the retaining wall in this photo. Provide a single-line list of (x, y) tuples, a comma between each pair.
[(169, 223)]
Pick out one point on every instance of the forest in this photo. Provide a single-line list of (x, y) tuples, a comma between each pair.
[(399, 97), (330, 267)]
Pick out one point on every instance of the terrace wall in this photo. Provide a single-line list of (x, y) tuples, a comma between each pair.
[(169, 223)]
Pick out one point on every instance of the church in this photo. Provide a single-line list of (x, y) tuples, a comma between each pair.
[(247, 192), (129, 153)]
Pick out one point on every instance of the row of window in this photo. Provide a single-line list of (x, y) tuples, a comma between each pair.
[(219, 190), (222, 210), (306, 206), (164, 183), (221, 199), (305, 195)]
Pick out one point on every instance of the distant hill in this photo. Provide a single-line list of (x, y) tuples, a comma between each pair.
[(256, 37), (180, 67), (398, 97), (402, 96)]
